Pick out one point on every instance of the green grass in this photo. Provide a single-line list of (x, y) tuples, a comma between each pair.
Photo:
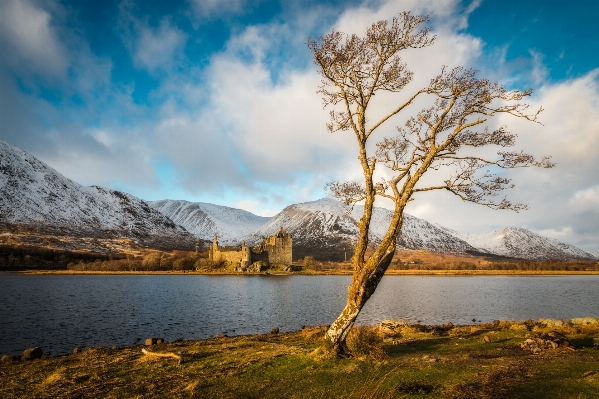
[(454, 363)]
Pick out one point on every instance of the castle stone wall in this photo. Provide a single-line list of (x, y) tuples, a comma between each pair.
[(274, 249)]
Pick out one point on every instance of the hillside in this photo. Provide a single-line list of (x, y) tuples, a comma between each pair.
[(328, 227), (35, 196), (517, 242), (205, 220)]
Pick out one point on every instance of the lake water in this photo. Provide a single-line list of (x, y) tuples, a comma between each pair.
[(60, 313)]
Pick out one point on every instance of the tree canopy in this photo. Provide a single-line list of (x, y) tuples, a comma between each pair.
[(438, 137)]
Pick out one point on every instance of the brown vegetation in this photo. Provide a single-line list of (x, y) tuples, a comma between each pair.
[(154, 261), (414, 361)]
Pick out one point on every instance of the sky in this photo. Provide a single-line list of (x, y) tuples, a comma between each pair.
[(215, 100)]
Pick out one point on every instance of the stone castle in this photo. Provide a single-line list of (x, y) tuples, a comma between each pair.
[(275, 249)]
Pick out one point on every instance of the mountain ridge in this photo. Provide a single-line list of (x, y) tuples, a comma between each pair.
[(205, 220), (518, 242), (34, 195)]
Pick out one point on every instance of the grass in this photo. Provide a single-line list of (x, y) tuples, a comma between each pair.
[(415, 362)]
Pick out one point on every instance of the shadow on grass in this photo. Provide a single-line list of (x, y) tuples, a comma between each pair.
[(582, 342), (418, 345)]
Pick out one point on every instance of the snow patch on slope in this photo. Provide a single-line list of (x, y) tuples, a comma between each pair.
[(328, 219), (34, 194), (205, 220), (518, 242), (415, 233)]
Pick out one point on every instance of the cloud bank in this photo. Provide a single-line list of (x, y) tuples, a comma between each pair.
[(242, 125)]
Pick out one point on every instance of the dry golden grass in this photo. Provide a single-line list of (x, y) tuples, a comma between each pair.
[(435, 362), (366, 343)]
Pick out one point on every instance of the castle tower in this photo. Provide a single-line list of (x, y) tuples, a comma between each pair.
[(213, 249), (246, 257)]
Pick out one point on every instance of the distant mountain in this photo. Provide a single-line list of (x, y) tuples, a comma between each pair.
[(205, 220), (518, 242), (34, 195), (415, 233), (322, 229), (327, 227), (594, 253)]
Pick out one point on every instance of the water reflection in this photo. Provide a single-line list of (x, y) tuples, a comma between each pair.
[(59, 313)]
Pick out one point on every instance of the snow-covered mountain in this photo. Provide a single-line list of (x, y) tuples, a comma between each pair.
[(517, 242), (328, 226), (34, 195), (205, 220), (415, 233), (321, 228)]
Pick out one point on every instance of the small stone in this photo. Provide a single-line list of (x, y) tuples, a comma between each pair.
[(433, 360), (590, 373), (274, 330), (221, 335), (487, 339), (32, 353), (448, 325), (551, 323), (151, 341)]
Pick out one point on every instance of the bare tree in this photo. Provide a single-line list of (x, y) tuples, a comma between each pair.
[(354, 69)]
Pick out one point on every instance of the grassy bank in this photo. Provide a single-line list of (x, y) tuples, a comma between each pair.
[(418, 361)]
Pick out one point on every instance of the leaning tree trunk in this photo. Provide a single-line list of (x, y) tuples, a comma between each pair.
[(361, 289)]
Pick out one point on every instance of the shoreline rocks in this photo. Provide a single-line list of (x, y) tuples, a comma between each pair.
[(154, 341), (585, 321), (541, 342), (32, 353)]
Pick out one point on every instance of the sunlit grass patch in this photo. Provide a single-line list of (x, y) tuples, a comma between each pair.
[(431, 363)]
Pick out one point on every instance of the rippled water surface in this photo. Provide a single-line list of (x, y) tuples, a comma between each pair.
[(60, 313)]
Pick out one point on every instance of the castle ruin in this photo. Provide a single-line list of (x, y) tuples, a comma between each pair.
[(275, 249)]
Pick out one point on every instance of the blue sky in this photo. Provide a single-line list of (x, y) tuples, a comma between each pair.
[(215, 101)]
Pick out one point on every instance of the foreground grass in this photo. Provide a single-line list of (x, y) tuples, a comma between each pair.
[(419, 362)]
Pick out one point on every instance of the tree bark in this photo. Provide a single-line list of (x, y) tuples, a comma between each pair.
[(361, 289)]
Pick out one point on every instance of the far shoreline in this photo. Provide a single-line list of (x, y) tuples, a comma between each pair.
[(315, 273)]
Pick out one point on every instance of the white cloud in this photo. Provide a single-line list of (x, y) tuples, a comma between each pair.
[(249, 130), (28, 40), (256, 208), (561, 198), (210, 8), (151, 48), (564, 234), (539, 70), (586, 199), (158, 48)]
